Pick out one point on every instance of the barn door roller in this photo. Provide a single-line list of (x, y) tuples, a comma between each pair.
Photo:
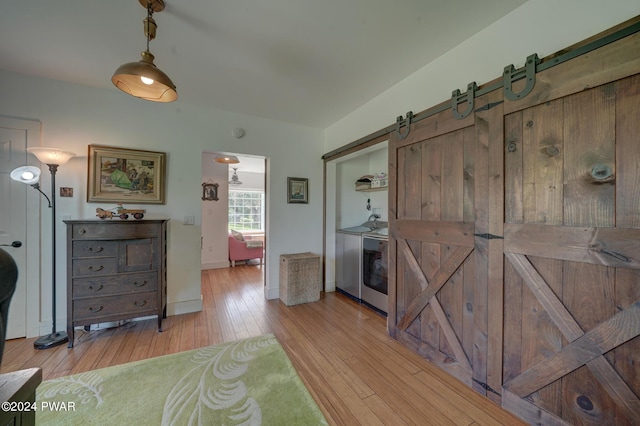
[(467, 97), (404, 123), (511, 75)]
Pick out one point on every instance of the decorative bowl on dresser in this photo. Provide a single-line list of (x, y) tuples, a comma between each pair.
[(116, 270)]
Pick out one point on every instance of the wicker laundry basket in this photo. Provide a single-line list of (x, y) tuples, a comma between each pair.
[(299, 278)]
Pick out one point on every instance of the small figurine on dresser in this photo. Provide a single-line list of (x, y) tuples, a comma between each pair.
[(120, 212)]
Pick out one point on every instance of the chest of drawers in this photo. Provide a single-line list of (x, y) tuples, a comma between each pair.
[(116, 270)]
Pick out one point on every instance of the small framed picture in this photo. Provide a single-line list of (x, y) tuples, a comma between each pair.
[(297, 190), (66, 191), (210, 191)]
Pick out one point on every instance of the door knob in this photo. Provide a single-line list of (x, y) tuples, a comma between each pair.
[(13, 244)]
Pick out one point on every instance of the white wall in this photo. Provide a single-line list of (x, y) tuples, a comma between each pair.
[(539, 26), (215, 253), (350, 208), (75, 116), (379, 162)]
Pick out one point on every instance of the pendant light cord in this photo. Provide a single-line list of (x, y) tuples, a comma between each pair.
[(149, 13)]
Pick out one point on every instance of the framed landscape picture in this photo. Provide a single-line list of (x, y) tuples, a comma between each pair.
[(123, 175), (297, 190)]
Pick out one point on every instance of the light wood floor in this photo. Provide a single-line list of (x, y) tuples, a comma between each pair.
[(354, 370)]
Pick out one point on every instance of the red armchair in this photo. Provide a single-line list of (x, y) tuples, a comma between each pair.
[(238, 249)]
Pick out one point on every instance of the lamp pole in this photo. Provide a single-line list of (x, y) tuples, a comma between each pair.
[(29, 175), (55, 338)]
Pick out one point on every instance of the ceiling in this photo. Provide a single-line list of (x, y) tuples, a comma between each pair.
[(299, 61)]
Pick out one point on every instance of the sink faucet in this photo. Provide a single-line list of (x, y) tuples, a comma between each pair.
[(375, 217)]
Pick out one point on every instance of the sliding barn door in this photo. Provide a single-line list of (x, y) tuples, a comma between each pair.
[(444, 213), (515, 241), (572, 249)]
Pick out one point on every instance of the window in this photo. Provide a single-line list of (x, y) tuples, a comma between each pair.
[(246, 210)]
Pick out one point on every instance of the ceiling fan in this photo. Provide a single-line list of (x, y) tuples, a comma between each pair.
[(234, 178)]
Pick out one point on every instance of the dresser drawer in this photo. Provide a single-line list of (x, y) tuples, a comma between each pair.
[(114, 230), (110, 285), (95, 266), (131, 305), (94, 248)]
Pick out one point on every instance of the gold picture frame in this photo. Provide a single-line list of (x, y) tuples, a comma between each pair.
[(297, 190), (123, 175)]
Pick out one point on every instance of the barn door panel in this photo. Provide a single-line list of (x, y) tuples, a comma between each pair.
[(572, 254), (440, 305), (626, 358)]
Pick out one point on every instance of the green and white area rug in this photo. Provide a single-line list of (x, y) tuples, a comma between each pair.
[(248, 382)]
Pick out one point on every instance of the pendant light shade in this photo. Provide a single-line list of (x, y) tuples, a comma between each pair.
[(226, 159), (143, 79)]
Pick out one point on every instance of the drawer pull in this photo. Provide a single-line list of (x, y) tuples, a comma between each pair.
[(100, 287), (144, 302), (82, 231), (96, 249), (95, 309), (99, 268), (138, 284)]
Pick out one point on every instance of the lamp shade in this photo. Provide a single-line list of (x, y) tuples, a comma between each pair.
[(26, 174), (226, 159), (48, 155), (144, 80)]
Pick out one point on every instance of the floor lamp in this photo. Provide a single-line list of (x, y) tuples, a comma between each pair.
[(53, 158)]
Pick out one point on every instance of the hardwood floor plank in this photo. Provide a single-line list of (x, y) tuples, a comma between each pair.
[(385, 413), (329, 401), (353, 369), (93, 354), (411, 408)]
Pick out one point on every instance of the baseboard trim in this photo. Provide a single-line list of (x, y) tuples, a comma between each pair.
[(273, 293), (330, 286), (214, 265), (176, 308), (185, 307)]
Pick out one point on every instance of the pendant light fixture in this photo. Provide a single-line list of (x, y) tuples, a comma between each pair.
[(226, 159), (143, 79), (234, 178)]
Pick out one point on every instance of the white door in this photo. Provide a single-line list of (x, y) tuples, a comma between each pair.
[(14, 135)]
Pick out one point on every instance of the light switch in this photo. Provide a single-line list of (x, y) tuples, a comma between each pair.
[(189, 219)]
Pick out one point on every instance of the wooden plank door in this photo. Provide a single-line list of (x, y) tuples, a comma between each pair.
[(440, 219), (515, 241), (572, 250)]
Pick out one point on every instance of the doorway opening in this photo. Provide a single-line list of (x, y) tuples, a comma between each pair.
[(240, 206)]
